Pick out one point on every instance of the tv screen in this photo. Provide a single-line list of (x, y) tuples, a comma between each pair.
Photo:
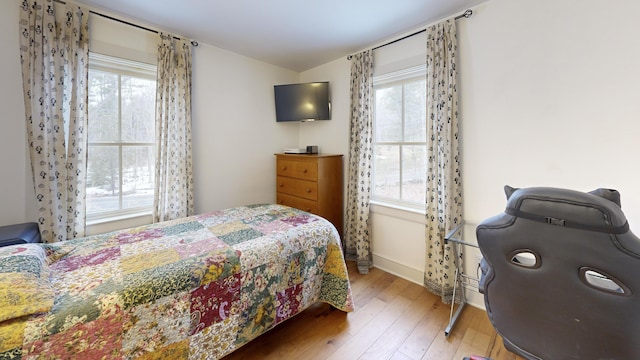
[(303, 102)]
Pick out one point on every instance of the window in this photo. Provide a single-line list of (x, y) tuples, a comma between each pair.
[(399, 139), (121, 152)]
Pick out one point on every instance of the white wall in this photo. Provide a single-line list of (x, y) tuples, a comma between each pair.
[(550, 97), (235, 134), (121, 40), (15, 184)]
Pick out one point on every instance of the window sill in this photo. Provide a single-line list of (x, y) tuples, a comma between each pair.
[(117, 218), (118, 222)]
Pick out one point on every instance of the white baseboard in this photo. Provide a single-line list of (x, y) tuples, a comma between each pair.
[(399, 270), (417, 276)]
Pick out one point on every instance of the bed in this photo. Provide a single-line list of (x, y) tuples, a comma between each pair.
[(193, 288)]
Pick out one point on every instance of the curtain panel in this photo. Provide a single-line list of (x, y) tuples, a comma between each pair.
[(444, 185), (356, 235), (174, 175), (54, 52)]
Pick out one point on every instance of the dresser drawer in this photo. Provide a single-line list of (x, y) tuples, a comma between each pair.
[(313, 183), (298, 203), (298, 169), (297, 187)]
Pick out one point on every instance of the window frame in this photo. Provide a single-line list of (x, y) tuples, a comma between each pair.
[(399, 77), (120, 67)]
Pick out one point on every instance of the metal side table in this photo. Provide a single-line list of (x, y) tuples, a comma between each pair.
[(462, 281)]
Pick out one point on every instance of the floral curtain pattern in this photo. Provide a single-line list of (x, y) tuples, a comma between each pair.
[(356, 234), (54, 52), (174, 175), (444, 186)]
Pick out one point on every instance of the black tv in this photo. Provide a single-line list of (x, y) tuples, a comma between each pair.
[(302, 102)]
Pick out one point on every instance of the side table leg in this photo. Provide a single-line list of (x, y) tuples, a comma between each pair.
[(457, 286)]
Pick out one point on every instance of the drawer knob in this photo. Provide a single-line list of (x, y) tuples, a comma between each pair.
[(304, 171), (281, 185), (308, 210), (308, 191), (284, 168)]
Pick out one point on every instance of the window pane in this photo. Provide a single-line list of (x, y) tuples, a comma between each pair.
[(103, 106), (388, 114), (386, 179), (103, 179), (400, 126), (414, 173), (137, 180), (415, 111), (121, 152), (138, 109)]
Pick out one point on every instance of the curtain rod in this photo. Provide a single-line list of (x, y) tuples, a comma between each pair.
[(193, 42), (467, 14)]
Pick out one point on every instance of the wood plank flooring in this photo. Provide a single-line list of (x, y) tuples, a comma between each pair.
[(394, 319)]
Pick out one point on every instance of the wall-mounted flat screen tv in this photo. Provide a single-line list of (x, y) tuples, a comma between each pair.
[(303, 102)]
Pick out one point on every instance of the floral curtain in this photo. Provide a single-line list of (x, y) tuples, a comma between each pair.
[(356, 234), (444, 186), (54, 52), (174, 174)]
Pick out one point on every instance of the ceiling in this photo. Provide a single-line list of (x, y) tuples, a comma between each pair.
[(294, 34)]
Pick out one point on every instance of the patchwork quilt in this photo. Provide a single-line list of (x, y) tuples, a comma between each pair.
[(193, 288)]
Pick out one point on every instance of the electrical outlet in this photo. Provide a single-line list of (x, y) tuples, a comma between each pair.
[(478, 267), (478, 258)]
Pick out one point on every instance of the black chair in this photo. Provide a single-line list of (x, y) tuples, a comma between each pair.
[(561, 275)]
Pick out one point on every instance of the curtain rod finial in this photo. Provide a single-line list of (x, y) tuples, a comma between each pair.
[(467, 14)]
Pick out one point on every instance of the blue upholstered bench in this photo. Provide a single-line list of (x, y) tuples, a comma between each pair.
[(19, 234)]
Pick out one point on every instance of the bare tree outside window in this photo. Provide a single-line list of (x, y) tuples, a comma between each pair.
[(400, 149), (121, 152)]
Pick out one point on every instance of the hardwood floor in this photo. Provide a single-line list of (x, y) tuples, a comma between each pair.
[(394, 319)]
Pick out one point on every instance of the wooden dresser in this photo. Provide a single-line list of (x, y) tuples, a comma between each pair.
[(311, 182)]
